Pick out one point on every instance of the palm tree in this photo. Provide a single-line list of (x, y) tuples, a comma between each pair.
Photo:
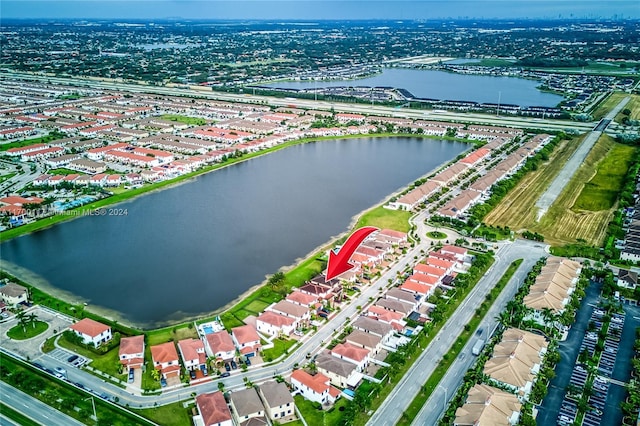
[(504, 318), (32, 319), (21, 316)]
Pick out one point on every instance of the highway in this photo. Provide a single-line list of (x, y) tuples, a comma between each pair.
[(32, 408), (512, 121), (568, 170), (390, 411)]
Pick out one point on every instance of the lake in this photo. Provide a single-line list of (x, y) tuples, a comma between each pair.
[(443, 85), (193, 248)]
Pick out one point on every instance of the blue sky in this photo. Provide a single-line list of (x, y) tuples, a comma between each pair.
[(318, 9)]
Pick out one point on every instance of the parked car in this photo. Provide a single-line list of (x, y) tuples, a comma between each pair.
[(225, 374), (233, 364), (163, 382), (72, 358), (247, 361), (131, 375), (192, 374), (227, 366)]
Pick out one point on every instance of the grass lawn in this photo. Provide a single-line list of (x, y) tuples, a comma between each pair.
[(634, 106), (21, 143), (63, 171), (185, 119), (601, 192), (320, 417), (385, 219), (607, 105), (30, 330), (148, 382), (107, 363), (437, 235), (168, 415), (279, 347), (167, 334)]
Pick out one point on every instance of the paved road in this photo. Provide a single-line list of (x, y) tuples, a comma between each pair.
[(396, 403), (256, 373), (311, 104), (549, 196), (33, 408)]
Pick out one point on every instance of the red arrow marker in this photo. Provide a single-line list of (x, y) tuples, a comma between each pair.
[(339, 262)]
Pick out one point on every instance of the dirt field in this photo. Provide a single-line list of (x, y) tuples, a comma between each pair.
[(608, 104), (560, 225), (634, 106)]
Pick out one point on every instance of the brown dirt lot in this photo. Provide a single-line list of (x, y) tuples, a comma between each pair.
[(560, 225)]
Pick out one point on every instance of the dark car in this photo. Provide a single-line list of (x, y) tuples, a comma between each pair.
[(227, 366), (72, 358), (163, 382), (37, 365), (225, 374), (234, 365), (131, 375), (192, 374), (247, 361)]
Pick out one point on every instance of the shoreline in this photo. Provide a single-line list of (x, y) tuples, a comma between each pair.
[(118, 318), (116, 199)]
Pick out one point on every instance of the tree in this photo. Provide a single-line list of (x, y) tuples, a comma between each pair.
[(32, 319), (21, 316)]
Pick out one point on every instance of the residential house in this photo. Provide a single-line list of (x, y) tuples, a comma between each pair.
[(302, 299), (193, 354), (213, 410), (353, 354), (299, 313), (131, 352), (220, 346), (375, 327), (516, 360), (92, 332), (275, 324), (486, 405), (165, 359), (278, 401), (316, 388), (341, 373), (627, 279), (13, 294), (368, 341), (246, 339), (458, 252), (245, 405)]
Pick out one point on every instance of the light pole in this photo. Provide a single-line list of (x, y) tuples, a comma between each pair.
[(93, 404), (498, 109), (444, 402)]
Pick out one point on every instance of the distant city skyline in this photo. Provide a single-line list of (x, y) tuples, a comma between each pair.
[(318, 9)]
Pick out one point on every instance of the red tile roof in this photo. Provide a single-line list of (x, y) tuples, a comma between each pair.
[(213, 408), (318, 383), (164, 352), (275, 319), (189, 349), (89, 327), (245, 334), (350, 351), (220, 342), (131, 345)]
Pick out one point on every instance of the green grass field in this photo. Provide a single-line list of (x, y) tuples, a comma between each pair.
[(315, 417), (601, 192), (607, 105), (633, 106), (385, 219), (107, 363), (279, 348), (168, 415), (29, 331), (185, 119)]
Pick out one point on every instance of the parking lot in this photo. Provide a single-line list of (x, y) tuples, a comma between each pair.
[(68, 357)]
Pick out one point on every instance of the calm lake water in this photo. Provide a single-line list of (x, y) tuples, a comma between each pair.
[(448, 86), (195, 247)]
